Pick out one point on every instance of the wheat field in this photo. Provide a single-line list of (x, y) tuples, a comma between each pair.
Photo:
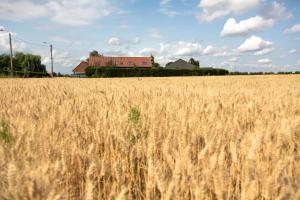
[(234, 137)]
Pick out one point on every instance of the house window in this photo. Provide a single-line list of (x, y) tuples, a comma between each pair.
[(130, 63), (121, 63), (97, 64), (145, 63)]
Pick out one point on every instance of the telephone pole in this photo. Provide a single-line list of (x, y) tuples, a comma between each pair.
[(51, 48), (11, 56), (11, 52), (51, 57)]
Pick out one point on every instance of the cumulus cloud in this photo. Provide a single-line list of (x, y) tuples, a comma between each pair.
[(264, 61), (148, 51), (21, 10), (79, 12), (293, 29), (16, 44), (256, 44), (70, 13), (172, 51), (215, 51), (254, 24), (181, 48), (115, 41), (275, 11), (118, 41), (233, 59), (267, 18), (264, 51), (213, 9)]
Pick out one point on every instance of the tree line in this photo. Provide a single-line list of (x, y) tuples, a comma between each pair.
[(22, 63)]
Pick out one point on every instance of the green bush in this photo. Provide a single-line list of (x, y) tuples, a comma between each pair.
[(134, 115), (159, 72), (5, 134)]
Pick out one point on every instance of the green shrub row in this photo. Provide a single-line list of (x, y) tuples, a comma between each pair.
[(142, 72), (28, 74)]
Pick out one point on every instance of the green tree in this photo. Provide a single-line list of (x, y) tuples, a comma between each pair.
[(4, 63), (94, 53), (28, 62), (194, 62), (154, 64)]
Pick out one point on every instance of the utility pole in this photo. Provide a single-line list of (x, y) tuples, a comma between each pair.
[(11, 52), (51, 48), (51, 57), (11, 55)]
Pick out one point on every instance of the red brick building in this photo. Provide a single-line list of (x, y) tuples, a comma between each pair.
[(121, 62), (80, 69)]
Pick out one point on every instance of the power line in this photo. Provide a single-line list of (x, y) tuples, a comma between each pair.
[(32, 43)]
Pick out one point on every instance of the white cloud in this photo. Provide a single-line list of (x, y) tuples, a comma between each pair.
[(79, 12), (256, 44), (209, 50), (164, 2), (118, 41), (115, 41), (275, 11), (215, 51), (60, 59), (69, 13), (17, 45), (148, 51), (135, 40), (268, 16), (293, 29), (292, 51), (213, 9), (298, 62), (166, 9), (83, 58), (233, 59), (265, 61), (172, 51), (21, 10), (119, 53), (254, 24), (181, 48), (264, 51)]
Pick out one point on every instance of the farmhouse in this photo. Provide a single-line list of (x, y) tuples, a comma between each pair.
[(119, 62), (180, 64)]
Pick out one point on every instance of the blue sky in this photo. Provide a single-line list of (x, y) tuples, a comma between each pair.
[(243, 35)]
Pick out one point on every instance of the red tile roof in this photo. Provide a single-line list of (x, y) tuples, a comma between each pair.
[(81, 67), (102, 61)]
